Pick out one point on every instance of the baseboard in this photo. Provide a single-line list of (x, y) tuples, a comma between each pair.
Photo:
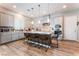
[(69, 40)]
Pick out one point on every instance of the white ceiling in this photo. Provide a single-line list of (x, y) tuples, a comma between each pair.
[(45, 8)]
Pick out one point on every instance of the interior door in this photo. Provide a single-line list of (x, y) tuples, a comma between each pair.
[(78, 32), (70, 27), (78, 28)]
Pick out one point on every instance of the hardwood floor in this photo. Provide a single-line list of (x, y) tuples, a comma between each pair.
[(18, 48)]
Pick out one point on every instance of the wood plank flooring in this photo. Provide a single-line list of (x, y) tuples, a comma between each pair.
[(18, 48)]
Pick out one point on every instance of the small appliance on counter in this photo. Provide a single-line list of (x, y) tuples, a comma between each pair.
[(6, 28)]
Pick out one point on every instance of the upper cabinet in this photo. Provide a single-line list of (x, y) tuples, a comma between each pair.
[(6, 19), (11, 20)]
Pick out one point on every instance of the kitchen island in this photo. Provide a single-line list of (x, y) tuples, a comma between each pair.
[(39, 39)]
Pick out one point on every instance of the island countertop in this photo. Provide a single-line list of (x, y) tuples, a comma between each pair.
[(38, 32)]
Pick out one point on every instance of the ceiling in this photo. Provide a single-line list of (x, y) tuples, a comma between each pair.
[(44, 9)]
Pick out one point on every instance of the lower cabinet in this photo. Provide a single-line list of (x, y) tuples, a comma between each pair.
[(8, 37), (20, 35), (14, 36), (5, 38), (17, 35)]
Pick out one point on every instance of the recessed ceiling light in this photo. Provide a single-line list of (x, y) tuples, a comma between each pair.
[(32, 22), (19, 15), (39, 21), (32, 15), (14, 6), (64, 6)]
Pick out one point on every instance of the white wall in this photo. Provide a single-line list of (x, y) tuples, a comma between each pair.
[(22, 22), (40, 26), (53, 22), (69, 28)]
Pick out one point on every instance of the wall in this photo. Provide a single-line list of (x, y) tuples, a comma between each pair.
[(59, 19), (21, 22), (53, 21)]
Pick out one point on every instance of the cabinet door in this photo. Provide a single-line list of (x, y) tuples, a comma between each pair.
[(21, 35), (3, 19), (14, 37), (6, 20), (70, 27), (5, 38), (11, 20)]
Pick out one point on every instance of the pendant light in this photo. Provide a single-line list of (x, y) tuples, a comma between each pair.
[(32, 15), (32, 12), (32, 21), (39, 14), (48, 18)]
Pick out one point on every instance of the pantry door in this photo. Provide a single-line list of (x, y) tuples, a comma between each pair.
[(78, 32), (70, 27), (78, 28)]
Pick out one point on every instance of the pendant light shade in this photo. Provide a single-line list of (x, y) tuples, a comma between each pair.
[(32, 12), (32, 22), (39, 14), (48, 18), (39, 9)]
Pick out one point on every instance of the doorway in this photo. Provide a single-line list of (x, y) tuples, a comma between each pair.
[(77, 28)]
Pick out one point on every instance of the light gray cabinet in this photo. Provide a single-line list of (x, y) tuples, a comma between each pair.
[(6, 20), (17, 35), (3, 18), (14, 35), (20, 35), (10, 20), (10, 36), (5, 37)]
